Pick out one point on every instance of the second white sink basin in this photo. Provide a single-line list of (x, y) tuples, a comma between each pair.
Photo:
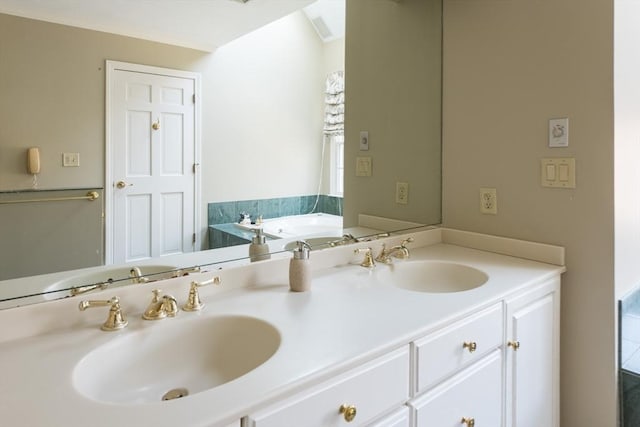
[(168, 363), (432, 276)]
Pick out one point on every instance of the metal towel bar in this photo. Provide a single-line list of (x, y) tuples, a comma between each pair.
[(91, 196)]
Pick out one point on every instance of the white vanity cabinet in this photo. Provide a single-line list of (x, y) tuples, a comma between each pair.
[(354, 398), (511, 378), (533, 357), (458, 372), (472, 397)]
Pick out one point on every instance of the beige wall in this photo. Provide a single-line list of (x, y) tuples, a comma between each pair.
[(508, 68), (392, 89), (52, 82)]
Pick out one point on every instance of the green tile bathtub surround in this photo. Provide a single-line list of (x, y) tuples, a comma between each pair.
[(228, 212)]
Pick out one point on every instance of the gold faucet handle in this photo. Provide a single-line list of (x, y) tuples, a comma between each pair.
[(193, 301), (368, 261), (115, 319)]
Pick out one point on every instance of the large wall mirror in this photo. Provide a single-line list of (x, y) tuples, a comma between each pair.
[(262, 124)]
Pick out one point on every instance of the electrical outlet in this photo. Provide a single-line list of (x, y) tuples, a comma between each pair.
[(402, 193), (488, 201)]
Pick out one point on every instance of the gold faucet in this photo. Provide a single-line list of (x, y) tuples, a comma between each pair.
[(160, 307), (115, 319), (136, 276), (78, 290), (193, 301), (400, 252), (344, 240), (367, 262)]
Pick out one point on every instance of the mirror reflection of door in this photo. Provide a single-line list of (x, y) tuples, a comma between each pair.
[(152, 164)]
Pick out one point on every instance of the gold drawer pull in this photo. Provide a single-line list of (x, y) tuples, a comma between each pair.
[(470, 422), (514, 344), (471, 346), (349, 412)]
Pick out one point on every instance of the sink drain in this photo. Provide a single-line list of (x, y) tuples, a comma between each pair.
[(176, 393)]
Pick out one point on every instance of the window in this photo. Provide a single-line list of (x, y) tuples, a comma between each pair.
[(337, 165)]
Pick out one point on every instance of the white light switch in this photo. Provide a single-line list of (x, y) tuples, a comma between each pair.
[(558, 172), (551, 173)]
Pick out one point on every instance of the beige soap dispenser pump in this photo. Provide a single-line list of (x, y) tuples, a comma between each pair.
[(258, 249), (300, 268)]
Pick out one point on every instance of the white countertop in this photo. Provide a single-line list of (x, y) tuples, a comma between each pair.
[(348, 317)]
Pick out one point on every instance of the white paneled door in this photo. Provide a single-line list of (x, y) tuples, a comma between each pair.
[(151, 162)]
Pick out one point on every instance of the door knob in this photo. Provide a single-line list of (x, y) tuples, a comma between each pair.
[(122, 184)]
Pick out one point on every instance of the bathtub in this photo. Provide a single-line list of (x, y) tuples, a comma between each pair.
[(318, 224)]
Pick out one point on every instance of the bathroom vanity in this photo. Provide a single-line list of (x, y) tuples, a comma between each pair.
[(464, 332)]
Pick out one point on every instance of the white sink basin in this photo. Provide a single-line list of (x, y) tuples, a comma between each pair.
[(118, 275), (162, 363), (432, 276)]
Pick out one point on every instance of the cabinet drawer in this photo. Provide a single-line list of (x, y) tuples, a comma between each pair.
[(399, 418), (373, 389), (442, 353), (475, 393)]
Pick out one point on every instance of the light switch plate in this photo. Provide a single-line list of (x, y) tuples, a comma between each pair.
[(71, 159), (363, 166), (558, 172)]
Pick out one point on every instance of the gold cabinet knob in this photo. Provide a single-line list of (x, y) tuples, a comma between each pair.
[(471, 346), (514, 344), (349, 412), (470, 422)]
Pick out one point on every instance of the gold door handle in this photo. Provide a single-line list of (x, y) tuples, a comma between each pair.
[(156, 124), (122, 184), (471, 346), (349, 412), (514, 344), (470, 422)]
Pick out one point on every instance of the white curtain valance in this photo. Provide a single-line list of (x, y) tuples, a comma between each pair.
[(334, 104)]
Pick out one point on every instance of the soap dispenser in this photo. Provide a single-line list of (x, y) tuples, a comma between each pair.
[(300, 268), (258, 249)]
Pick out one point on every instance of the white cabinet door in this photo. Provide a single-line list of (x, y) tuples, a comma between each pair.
[(532, 358), (474, 394)]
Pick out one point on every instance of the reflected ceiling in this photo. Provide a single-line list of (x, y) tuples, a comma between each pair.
[(197, 24)]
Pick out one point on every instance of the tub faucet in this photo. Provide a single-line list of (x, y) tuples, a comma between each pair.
[(400, 252)]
